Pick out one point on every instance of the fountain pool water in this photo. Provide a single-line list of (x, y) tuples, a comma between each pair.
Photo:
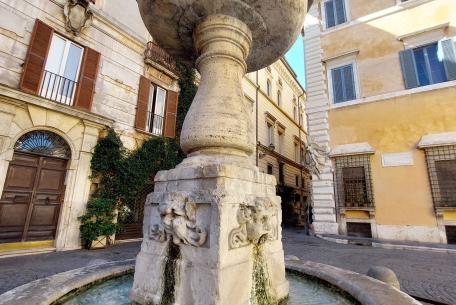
[(303, 291)]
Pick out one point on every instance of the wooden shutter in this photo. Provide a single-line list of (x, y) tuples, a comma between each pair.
[(449, 58), (409, 69), (349, 83), (36, 57), (338, 94), (143, 101), (171, 112), (330, 14), (340, 11), (87, 78)]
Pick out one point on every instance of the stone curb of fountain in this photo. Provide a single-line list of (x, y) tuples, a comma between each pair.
[(61, 284), (366, 290), (440, 248)]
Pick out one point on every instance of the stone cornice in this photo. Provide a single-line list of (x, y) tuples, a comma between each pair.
[(18, 98), (285, 74)]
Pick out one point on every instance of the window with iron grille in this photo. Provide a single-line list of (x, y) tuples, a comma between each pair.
[(354, 181), (156, 110), (441, 162)]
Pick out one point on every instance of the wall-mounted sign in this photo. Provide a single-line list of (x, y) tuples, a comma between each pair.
[(397, 159)]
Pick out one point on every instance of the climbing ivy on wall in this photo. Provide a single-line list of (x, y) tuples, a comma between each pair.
[(188, 90), (121, 175)]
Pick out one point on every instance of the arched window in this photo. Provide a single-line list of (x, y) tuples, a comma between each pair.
[(268, 88), (43, 142), (279, 97)]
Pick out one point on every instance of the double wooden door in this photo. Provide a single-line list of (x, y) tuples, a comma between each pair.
[(32, 197)]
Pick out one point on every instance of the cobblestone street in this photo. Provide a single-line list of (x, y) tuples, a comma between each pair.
[(427, 275)]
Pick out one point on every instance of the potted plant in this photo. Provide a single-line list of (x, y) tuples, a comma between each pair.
[(98, 224)]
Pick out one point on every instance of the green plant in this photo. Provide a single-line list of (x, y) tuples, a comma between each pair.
[(121, 175), (187, 93), (98, 220)]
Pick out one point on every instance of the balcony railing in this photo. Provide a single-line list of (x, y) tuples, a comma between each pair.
[(58, 88), (156, 125), (155, 54)]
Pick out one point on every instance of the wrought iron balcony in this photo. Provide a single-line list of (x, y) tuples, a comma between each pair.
[(58, 88), (154, 55)]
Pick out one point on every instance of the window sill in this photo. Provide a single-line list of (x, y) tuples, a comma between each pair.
[(392, 95), (411, 3), (147, 133)]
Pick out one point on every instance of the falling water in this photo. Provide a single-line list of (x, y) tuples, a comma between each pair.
[(261, 284), (170, 274)]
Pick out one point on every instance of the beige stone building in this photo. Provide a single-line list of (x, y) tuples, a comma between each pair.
[(381, 91), (280, 131), (59, 90), (70, 69)]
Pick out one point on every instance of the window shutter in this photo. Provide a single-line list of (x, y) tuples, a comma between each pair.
[(143, 102), (340, 11), (409, 69), (171, 112), (349, 83), (329, 13), (36, 57), (87, 78), (449, 57), (337, 85)]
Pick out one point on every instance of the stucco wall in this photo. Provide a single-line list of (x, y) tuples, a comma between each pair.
[(402, 194), (378, 44)]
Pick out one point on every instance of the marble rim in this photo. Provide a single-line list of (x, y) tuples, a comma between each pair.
[(48, 290), (274, 28)]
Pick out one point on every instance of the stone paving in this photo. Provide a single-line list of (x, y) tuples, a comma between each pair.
[(427, 275)]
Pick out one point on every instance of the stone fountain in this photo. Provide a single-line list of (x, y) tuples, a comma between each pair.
[(212, 233)]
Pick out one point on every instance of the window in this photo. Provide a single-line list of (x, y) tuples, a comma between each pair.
[(297, 180), (431, 64), (269, 169), (270, 135), (335, 12), (268, 88), (156, 110), (441, 163), (296, 152), (281, 143), (61, 70), (281, 173), (343, 84), (295, 112), (279, 98), (353, 181)]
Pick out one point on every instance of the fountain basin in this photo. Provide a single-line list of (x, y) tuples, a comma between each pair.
[(308, 280)]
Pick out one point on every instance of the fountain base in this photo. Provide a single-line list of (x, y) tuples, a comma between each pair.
[(217, 213)]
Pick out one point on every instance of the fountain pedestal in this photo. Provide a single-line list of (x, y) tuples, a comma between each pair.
[(212, 233)]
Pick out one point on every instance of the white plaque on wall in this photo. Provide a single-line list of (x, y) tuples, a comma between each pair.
[(397, 159)]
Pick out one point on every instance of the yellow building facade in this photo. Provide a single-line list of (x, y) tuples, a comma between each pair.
[(381, 88)]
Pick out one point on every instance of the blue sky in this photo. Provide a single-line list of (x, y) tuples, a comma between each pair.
[(295, 57)]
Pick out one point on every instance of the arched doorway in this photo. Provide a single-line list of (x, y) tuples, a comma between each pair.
[(34, 188)]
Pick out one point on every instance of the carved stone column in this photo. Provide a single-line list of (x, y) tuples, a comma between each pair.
[(212, 233), (215, 204)]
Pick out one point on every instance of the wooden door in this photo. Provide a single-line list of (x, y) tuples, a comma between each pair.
[(32, 197)]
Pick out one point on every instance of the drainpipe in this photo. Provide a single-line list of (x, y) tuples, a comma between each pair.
[(300, 141), (256, 119)]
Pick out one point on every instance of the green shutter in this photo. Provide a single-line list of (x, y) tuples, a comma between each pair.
[(449, 57), (409, 69)]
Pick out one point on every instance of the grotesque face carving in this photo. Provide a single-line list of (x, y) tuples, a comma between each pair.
[(258, 223)]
